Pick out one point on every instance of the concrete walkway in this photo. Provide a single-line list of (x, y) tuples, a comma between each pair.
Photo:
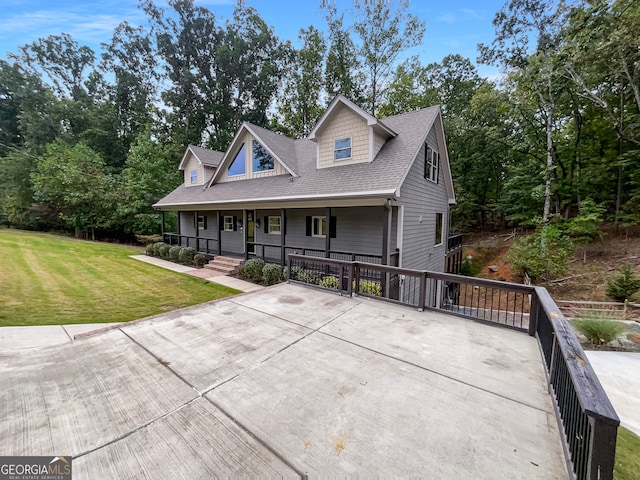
[(619, 374), (204, 273), (287, 381)]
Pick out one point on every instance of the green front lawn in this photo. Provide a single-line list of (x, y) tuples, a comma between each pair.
[(48, 279), (627, 465)]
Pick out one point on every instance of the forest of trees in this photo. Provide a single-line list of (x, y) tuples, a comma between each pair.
[(90, 140)]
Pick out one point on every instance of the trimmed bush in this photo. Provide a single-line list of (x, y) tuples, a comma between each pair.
[(329, 282), (149, 249), (272, 274), (368, 287), (163, 251), (624, 285), (156, 248), (174, 253), (199, 260), (186, 254), (310, 276), (253, 269), (295, 273), (597, 330)]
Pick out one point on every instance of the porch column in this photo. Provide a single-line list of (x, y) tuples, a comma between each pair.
[(179, 239), (195, 224), (162, 224), (327, 239), (283, 232), (386, 219), (219, 232), (245, 234)]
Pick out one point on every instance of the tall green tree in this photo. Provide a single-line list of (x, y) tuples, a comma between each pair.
[(74, 181), (301, 105), (385, 33), (150, 173)]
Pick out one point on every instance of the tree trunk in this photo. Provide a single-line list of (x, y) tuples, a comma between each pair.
[(549, 169)]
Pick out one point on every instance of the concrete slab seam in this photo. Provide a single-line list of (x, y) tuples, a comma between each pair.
[(262, 442), (137, 429), (65, 331), (161, 362), (435, 372)]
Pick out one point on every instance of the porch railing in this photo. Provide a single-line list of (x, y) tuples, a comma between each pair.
[(583, 411)]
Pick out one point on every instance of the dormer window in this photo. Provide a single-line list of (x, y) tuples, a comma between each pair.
[(262, 161), (342, 148), (238, 166), (194, 176)]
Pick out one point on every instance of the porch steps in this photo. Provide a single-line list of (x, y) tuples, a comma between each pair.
[(224, 265)]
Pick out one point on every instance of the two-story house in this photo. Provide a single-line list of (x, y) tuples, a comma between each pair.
[(356, 188)]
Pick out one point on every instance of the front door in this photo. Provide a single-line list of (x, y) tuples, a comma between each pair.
[(251, 232)]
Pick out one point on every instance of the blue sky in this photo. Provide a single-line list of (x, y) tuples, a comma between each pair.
[(454, 26)]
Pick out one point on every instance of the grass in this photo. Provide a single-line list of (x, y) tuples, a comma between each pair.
[(48, 280), (627, 465)]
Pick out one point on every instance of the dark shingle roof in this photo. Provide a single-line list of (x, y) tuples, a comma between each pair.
[(382, 177), (211, 158)]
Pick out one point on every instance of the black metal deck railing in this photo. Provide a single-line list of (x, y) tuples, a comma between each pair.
[(585, 416)]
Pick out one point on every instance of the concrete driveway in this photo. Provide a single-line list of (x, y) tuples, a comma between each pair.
[(286, 382)]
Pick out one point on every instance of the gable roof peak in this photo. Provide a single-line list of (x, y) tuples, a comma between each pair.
[(341, 100)]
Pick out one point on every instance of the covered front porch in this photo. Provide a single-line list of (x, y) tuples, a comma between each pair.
[(354, 233)]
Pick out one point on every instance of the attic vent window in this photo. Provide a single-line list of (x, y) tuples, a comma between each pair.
[(238, 167), (262, 161), (342, 148)]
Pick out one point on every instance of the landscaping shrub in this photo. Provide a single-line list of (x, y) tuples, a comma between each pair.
[(295, 273), (156, 248), (199, 260), (186, 254), (148, 239), (329, 282), (368, 287), (624, 285), (174, 253), (163, 251), (149, 249), (598, 331), (471, 266), (310, 276), (253, 269), (272, 274)]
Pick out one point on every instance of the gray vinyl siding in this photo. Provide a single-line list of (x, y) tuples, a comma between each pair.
[(187, 224), (422, 199), (232, 241), (358, 230), (261, 236), (297, 228)]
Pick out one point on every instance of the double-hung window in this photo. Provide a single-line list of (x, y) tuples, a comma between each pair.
[(319, 227), (342, 148), (274, 226), (194, 176), (227, 225), (431, 160), (202, 222)]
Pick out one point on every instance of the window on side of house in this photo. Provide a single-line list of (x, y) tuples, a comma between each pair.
[(274, 226), (439, 230), (202, 222), (319, 227), (342, 148), (262, 160), (238, 166), (431, 161), (227, 224), (194, 176)]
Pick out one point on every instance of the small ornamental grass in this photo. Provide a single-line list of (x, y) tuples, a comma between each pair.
[(598, 330)]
